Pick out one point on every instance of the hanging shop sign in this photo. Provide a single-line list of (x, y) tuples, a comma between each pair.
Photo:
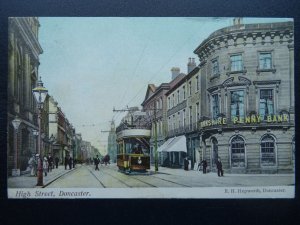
[(254, 119)]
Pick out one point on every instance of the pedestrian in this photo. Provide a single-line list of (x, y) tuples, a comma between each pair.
[(204, 165), (56, 161), (50, 162), (32, 165), (66, 161), (96, 162), (45, 165), (70, 162), (38, 163), (219, 167), (186, 163)]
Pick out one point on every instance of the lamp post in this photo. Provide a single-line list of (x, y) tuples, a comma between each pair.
[(16, 123), (40, 94)]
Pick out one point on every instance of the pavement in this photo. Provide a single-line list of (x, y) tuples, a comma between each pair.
[(28, 181)]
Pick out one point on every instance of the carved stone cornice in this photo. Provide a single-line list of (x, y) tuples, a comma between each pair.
[(267, 82)]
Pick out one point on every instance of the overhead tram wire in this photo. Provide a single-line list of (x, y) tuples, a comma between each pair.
[(163, 65)]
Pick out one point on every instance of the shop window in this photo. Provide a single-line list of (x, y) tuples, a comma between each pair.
[(237, 152), (266, 103), (265, 61), (236, 62), (237, 105), (215, 106), (268, 157)]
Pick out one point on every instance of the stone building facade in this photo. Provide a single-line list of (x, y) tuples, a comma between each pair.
[(155, 106), (247, 98), (237, 105), (23, 63)]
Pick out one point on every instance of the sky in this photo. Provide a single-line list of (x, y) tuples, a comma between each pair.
[(91, 65)]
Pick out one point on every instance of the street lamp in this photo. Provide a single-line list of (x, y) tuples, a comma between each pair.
[(40, 94), (16, 123)]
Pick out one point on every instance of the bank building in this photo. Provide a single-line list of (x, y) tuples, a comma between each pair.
[(238, 103)]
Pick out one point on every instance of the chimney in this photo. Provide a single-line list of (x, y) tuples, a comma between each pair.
[(191, 65), (175, 72)]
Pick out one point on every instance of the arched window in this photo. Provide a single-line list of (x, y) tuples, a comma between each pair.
[(237, 152), (268, 156)]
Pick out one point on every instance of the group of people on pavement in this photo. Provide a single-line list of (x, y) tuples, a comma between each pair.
[(46, 164), (204, 165), (218, 164), (69, 161)]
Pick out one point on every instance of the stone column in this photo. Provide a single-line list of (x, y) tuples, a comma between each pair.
[(27, 79), (11, 64)]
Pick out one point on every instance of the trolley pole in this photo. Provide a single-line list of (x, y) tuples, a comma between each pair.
[(155, 142)]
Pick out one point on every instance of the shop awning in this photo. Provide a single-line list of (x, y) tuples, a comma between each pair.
[(177, 145), (165, 145)]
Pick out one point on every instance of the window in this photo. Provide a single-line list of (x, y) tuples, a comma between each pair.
[(237, 105), (197, 83), (178, 116), (237, 152), (178, 97), (169, 103), (268, 151), (173, 100), (183, 115), (265, 61), (190, 88), (191, 117), (197, 111), (266, 103), (215, 106), (215, 67), (174, 125), (236, 62), (183, 92)]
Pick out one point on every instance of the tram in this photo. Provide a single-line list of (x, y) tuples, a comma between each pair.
[(133, 149)]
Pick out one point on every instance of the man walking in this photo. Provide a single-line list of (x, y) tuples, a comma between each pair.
[(219, 167), (56, 161), (50, 162), (204, 165), (97, 161), (66, 161)]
